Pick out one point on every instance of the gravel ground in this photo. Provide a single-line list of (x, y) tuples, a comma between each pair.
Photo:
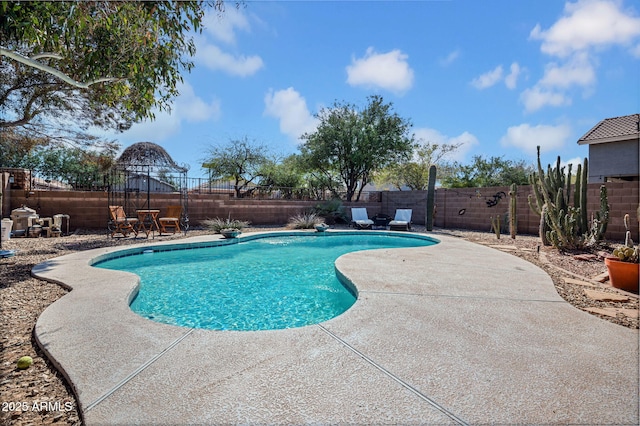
[(40, 395)]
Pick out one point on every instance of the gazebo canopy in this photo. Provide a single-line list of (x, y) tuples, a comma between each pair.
[(150, 155)]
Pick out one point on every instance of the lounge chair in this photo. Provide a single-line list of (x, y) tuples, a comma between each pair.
[(360, 219), (120, 223), (402, 220), (171, 220)]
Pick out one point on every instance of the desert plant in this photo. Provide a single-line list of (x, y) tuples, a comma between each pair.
[(332, 211), (495, 225), (431, 194), (513, 219), (218, 224), (627, 253), (563, 225), (305, 221)]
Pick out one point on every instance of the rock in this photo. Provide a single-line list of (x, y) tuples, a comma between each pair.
[(586, 257), (602, 296), (632, 313), (610, 312), (614, 312), (578, 282), (601, 277)]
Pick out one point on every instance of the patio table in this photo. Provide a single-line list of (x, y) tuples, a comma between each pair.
[(148, 220)]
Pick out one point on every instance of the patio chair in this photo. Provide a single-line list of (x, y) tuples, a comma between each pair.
[(360, 219), (402, 220), (120, 223), (171, 220)]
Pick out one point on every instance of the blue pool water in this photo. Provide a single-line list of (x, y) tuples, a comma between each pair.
[(270, 282)]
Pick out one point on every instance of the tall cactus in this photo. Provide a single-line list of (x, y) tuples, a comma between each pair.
[(601, 219), (545, 188), (513, 219), (580, 196), (431, 197), (495, 225), (563, 225)]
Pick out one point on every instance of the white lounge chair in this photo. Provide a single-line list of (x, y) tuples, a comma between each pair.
[(360, 219), (402, 221)]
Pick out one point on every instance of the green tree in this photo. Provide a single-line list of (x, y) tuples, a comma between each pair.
[(355, 144), (415, 173), (285, 173), (98, 63), (495, 171), (16, 150), (52, 160), (241, 161), (75, 166)]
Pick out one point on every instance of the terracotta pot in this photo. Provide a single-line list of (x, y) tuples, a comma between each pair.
[(623, 275)]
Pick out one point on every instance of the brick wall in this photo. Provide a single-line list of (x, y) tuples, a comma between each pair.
[(89, 209), (467, 208), (456, 208)]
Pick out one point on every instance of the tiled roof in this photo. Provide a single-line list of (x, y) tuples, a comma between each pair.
[(611, 129)]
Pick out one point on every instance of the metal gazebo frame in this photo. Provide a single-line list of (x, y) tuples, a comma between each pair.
[(142, 169)]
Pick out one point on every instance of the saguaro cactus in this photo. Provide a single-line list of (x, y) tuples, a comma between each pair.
[(513, 219), (431, 198)]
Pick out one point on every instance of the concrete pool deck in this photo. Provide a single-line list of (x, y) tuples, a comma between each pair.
[(455, 333)]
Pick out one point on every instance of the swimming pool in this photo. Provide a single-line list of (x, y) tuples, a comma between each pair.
[(270, 281)]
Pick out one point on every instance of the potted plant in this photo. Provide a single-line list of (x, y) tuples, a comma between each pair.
[(321, 227), (230, 232), (624, 266), (229, 228)]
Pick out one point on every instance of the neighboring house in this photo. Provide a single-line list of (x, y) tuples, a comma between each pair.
[(138, 183), (614, 149)]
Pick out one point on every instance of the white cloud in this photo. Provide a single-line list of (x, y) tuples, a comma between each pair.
[(215, 59), (290, 108), (433, 136), (493, 77), (536, 98), (586, 28), (222, 26), (488, 79), (450, 58), (186, 107), (389, 71), (588, 24), (512, 79), (527, 137), (193, 109), (578, 70), (574, 164), (552, 88)]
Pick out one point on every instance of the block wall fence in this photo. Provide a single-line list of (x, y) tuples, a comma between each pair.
[(464, 208)]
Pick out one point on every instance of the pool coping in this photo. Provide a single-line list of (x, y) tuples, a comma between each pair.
[(420, 345)]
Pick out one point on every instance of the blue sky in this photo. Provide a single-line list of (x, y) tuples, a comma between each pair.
[(499, 76)]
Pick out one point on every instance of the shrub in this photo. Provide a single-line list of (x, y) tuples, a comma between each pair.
[(332, 211), (305, 221), (219, 224)]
